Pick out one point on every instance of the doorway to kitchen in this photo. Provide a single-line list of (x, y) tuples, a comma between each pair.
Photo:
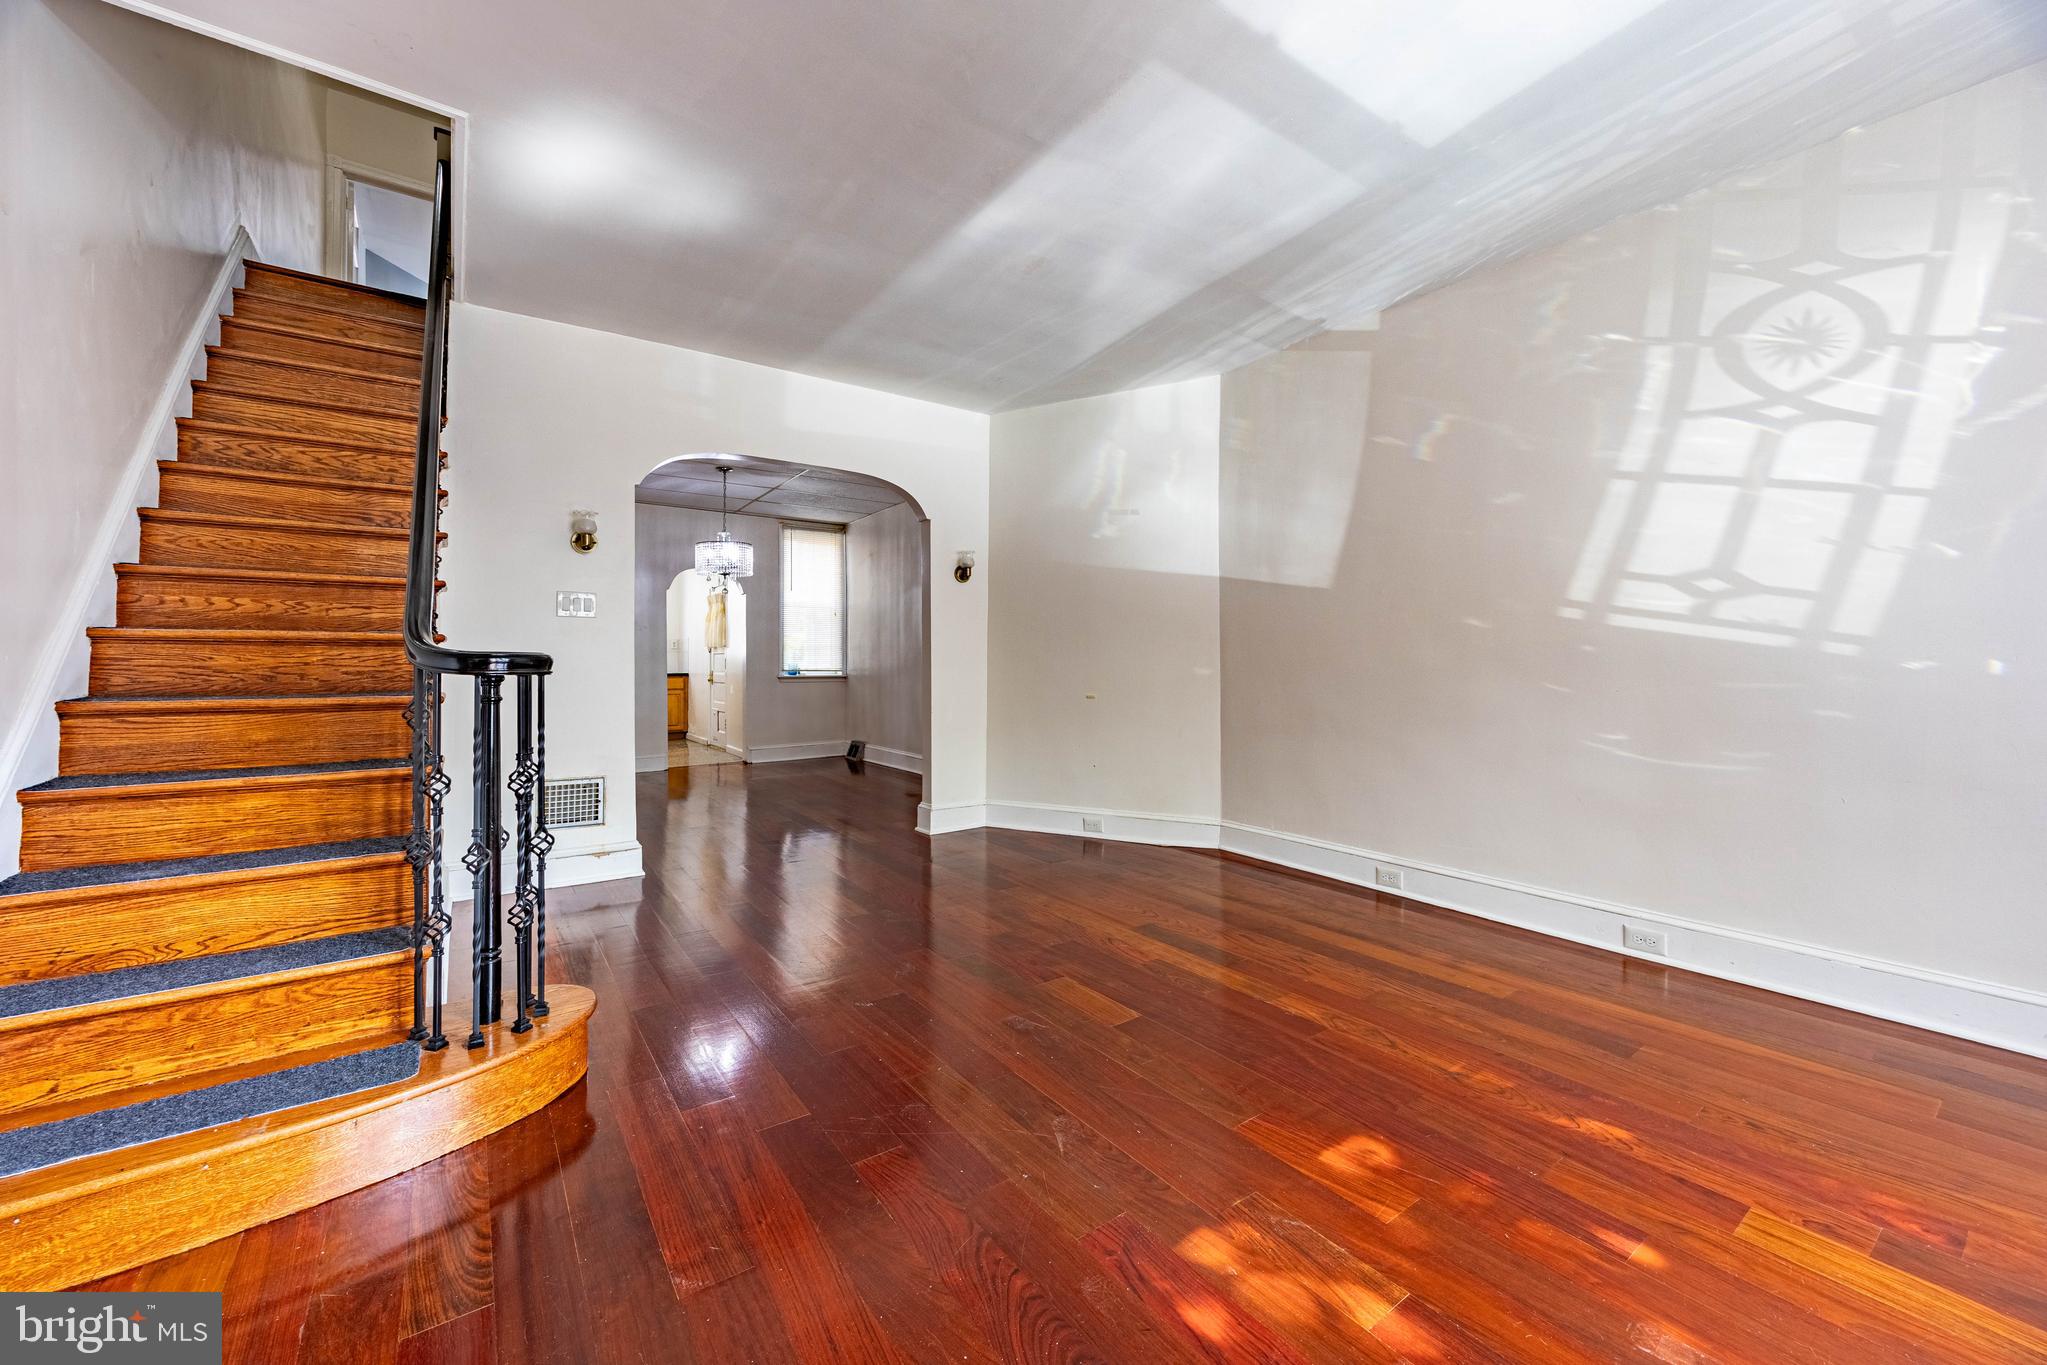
[(706, 663)]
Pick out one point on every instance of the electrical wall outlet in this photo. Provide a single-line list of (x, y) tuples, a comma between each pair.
[(1640, 940), (1090, 824), (1387, 877)]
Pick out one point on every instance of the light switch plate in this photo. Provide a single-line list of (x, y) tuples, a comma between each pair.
[(575, 604)]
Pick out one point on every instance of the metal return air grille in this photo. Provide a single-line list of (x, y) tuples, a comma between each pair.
[(575, 801)]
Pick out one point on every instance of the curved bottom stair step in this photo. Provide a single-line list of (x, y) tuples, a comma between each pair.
[(77, 1221), (108, 1130)]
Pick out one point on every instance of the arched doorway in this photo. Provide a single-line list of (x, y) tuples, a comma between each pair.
[(858, 669), (706, 669)]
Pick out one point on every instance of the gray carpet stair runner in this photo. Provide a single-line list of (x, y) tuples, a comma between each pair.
[(87, 781), (47, 1144), (111, 874), (107, 1130), (92, 988)]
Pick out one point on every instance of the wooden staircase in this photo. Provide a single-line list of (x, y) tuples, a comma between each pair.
[(214, 900)]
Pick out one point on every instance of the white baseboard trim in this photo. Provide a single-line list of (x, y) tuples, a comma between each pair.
[(1122, 826), (785, 753), (598, 863), (566, 866), (655, 763), (950, 819), (28, 754), (901, 759), (1963, 1007), (1981, 1011)]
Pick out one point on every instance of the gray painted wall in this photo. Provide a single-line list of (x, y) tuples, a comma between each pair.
[(885, 567)]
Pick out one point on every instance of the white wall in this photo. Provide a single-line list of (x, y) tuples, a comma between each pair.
[(131, 151), (886, 563), (1104, 681), (546, 418), (1470, 562)]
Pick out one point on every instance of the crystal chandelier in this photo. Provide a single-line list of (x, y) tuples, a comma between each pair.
[(723, 555)]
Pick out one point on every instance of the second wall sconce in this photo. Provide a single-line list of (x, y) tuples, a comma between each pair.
[(583, 531)]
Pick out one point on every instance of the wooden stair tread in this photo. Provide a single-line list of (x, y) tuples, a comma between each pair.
[(132, 705), (322, 528), (134, 988), (225, 635), (224, 573), (139, 734), (201, 1079), (95, 786), (23, 887), (220, 661), (349, 286), (284, 477), (76, 1221), (289, 362), (275, 328), (369, 396), (63, 1056), (100, 917), (308, 304), (569, 1007), (345, 407), (201, 424)]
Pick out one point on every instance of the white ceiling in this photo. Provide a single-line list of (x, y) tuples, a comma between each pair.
[(995, 203), (768, 488)]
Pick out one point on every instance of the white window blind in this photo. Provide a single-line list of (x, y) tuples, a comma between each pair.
[(813, 600)]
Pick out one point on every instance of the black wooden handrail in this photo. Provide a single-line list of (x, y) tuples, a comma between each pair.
[(420, 645), (432, 663)]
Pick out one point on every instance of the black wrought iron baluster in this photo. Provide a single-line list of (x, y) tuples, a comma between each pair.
[(438, 920), (485, 860), (436, 663), (521, 914), (543, 844), (416, 849)]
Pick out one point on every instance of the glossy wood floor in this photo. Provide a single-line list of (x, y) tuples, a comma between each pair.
[(854, 1096)]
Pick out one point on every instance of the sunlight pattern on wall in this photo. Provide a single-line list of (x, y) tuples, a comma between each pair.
[(1812, 339)]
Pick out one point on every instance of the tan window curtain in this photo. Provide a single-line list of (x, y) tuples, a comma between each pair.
[(714, 619)]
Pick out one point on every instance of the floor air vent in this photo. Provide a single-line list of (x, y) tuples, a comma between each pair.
[(575, 801)]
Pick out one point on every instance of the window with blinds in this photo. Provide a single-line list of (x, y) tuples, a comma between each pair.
[(813, 601)]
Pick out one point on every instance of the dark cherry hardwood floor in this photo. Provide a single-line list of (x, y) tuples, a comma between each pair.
[(857, 1096)]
